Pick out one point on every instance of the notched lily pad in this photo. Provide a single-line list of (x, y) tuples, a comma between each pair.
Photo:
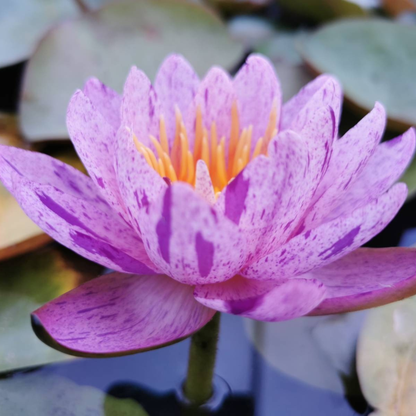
[(374, 59), (106, 43), (386, 358)]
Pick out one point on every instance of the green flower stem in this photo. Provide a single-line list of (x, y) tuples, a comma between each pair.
[(202, 354)]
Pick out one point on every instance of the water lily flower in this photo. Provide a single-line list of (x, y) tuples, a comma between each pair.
[(210, 195)]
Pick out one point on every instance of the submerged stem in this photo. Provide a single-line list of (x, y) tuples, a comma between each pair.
[(202, 354)]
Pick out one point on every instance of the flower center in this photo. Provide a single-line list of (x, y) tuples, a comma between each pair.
[(179, 162)]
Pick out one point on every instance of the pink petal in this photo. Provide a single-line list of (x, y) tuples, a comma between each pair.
[(81, 226), (105, 100), (366, 278), (140, 109), (350, 155), (322, 91), (257, 88), (268, 198), (187, 239), (94, 140), (263, 301), (215, 97), (139, 183), (203, 183), (383, 169), (176, 85), (118, 314), (43, 169), (330, 241)]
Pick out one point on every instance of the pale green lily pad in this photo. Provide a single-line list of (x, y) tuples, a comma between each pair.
[(386, 358), (42, 394), (26, 283), (23, 22), (374, 59), (282, 50), (319, 351), (106, 43)]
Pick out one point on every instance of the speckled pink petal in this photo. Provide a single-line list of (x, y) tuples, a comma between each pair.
[(330, 241), (383, 169), (268, 198), (203, 182), (139, 184), (367, 278), (94, 140), (262, 301), (105, 100), (140, 108), (176, 84), (257, 88), (350, 155), (119, 314), (215, 97), (81, 226), (43, 169), (188, 240), (324, 90)]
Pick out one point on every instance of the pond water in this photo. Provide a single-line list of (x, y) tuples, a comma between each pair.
[(257, 386)]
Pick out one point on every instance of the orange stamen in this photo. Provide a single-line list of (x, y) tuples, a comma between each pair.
[(180, 162)]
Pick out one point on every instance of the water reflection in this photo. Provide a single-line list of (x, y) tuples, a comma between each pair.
[(258, 387)]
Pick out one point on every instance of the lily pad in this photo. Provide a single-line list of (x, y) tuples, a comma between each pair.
[(43, 394), (386, 358), (374, 59), (283, 52), (26, 283), (106, 43), (318, 351), (23, 22)]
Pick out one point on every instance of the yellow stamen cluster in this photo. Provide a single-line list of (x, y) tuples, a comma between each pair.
[(179, 162)]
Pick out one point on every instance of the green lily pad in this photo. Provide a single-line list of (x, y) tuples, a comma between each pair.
[(282, 49), (374, 59), (26, 283), (320, 10), (386, 358), (23, 22), (43, 394), (106, 43)]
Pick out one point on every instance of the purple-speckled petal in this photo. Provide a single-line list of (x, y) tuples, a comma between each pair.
[(176, 84), (324, 90), (140, 108), (105, 100), (257, 88), (350, 155), (383, 169), (81, 226), (262, 301), (43, 169), (119, 314), (94, 140), (330, 241), (367, 278), (203, 182), (139, 183), (215, 97), (268, 198), (189, 240)]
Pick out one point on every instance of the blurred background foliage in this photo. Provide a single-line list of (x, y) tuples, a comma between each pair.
[(48, 48)]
